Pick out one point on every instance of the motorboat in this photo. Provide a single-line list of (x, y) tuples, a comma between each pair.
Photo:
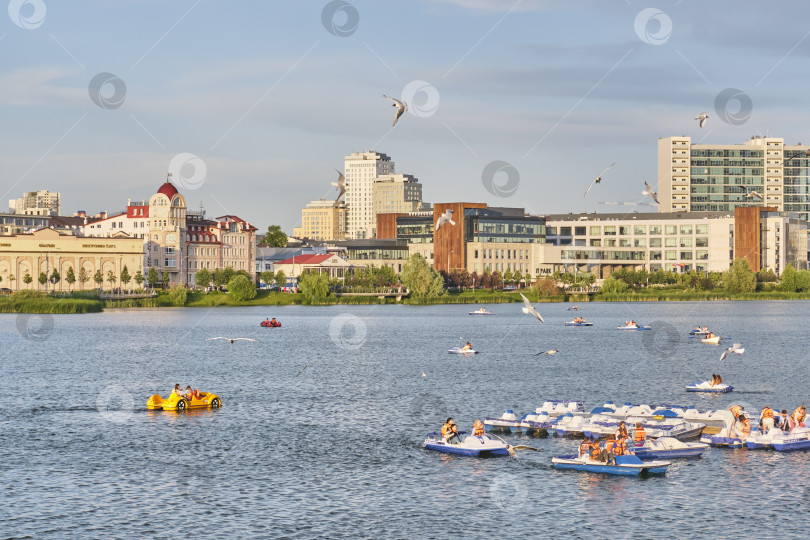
[(506, 423), (633, 327), (667, 448), (577, 323), (462, 351), (707, 386), (482, 311), (711, 340), (470, 445), (627, 465)]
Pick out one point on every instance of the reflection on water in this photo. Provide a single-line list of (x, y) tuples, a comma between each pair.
[(335, 450)]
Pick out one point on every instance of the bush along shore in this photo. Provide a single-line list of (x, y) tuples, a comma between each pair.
[(40, 302)]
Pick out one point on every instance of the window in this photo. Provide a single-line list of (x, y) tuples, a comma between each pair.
[(702, 242), (579, 231), (565, 231), (686, 229), (655, 255), (686, 255), (551, 231), (610, 230), (640, 242), (596, 231), (476, 254), (702, 255), (639, 230), (670, 229), (610, 242), (686, 241), (624, 231), (670, 255), (655, 242), (596, 243), (671, 242), (701, 229), (655, 229), (624, 242)]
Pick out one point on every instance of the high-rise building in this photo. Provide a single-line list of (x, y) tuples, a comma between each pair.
[(322, 220), (361, 171), (762, 171), (395, 194), (37, 203)]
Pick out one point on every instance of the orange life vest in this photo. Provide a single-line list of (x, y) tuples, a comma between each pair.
[(798, 416), (478, 430), (619, 449), (640, 435), (746, 428), (445, 429), (767, 412), (595, 450)]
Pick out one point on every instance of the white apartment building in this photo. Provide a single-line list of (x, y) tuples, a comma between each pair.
[(361, 171), (37, 203)]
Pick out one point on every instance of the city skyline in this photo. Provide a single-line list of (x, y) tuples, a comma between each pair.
[(554, 92)]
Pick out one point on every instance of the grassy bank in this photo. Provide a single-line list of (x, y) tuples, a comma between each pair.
[(32, 302)]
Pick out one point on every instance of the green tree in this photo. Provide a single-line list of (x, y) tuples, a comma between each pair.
[(281, 279), (739, 278), (83, 277), (496, 280), (125, 277), (314, 287), (267, 277), (55, 278), (241, 289), (275, 237), (228, 274), (70, 277), (139, 278), (614, 285), (27, 279), (152, 277), (486, 279), (803, 280), (218, 278), (508, 277), (111, 279), (43, 278), (421, 279), (165, 279), (202, 278), (178, 294), (383, 275), (98, 277), (788, 279)]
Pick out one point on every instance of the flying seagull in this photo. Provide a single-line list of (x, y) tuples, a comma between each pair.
[(401, 108), (302, 370), (598, 178), (702, 117), (340, 184), (423, 374), (648, 191), (736, 348), (513, 449), (232, 339), (529, 308), (750, 193), (552, 351), (447, 217)]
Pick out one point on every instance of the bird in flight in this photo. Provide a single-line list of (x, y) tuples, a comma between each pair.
[(447, 217), (702, 117), (424, 374), (736, 348), (529, 308), (552, 351), (232, 339), (598, 179), (648, 191), (750, 193), (401, 108), (340, 184)]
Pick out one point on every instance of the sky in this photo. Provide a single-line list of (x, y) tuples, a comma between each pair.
[(253, 104)]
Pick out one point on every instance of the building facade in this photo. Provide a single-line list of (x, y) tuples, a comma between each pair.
[(37, 203), (361, 170), (395, 194), (322, 220)]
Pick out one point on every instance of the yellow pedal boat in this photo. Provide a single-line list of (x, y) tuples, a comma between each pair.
[(177, 403)]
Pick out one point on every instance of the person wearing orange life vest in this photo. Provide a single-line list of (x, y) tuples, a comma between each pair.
[(797, 418), (639, 435), (478, 428), (731, 416), (743, 429), (766, 420), (621, 433), (449, 430)]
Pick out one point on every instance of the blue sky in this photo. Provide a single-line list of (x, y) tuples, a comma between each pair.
[(271, 100)]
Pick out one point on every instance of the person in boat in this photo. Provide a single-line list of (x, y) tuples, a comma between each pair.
[(732, 417), (274, 322), (797, 418), (705, 329), (719, 379), (784, 421), (621, 432), (584, 447), (697, 330), (596, 450), (743, 429), (467, 347), (478, 428), (267, 321), (191, 393), (177, 390), (714, 380), (766, 419), (450, 431), (639, 435)]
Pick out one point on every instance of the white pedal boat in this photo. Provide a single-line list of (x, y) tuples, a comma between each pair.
[(536, 423), (555, 408), (462, 352), (469, 446), (668, 448), (506, 423), (627, 465), (711, 340), (482, 311), (781, 441), (708, 387), (633, 327)]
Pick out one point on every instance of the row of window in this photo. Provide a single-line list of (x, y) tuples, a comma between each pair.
[(626, 230)]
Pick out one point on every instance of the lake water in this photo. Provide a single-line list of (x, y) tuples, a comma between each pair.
[(335, 450)]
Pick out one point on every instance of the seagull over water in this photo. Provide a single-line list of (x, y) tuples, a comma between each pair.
[(648, 191), (232, 339), (401, 108), (447, 217), (340, 184), (736, 348), (702, 117), (598, 178), (529, 308)]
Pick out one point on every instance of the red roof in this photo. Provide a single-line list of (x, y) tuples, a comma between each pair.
[(306, 259), (168, 189)]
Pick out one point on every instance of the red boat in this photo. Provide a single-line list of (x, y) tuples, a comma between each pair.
[(271, 324)]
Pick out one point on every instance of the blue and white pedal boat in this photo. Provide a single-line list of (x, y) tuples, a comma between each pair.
[(573, 323), (628, 465), (634, 327), (668, 448), (797, 439), (536, 424), (470, 446), (721, 441), (506, 423), (708, 387), (555, 408)]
